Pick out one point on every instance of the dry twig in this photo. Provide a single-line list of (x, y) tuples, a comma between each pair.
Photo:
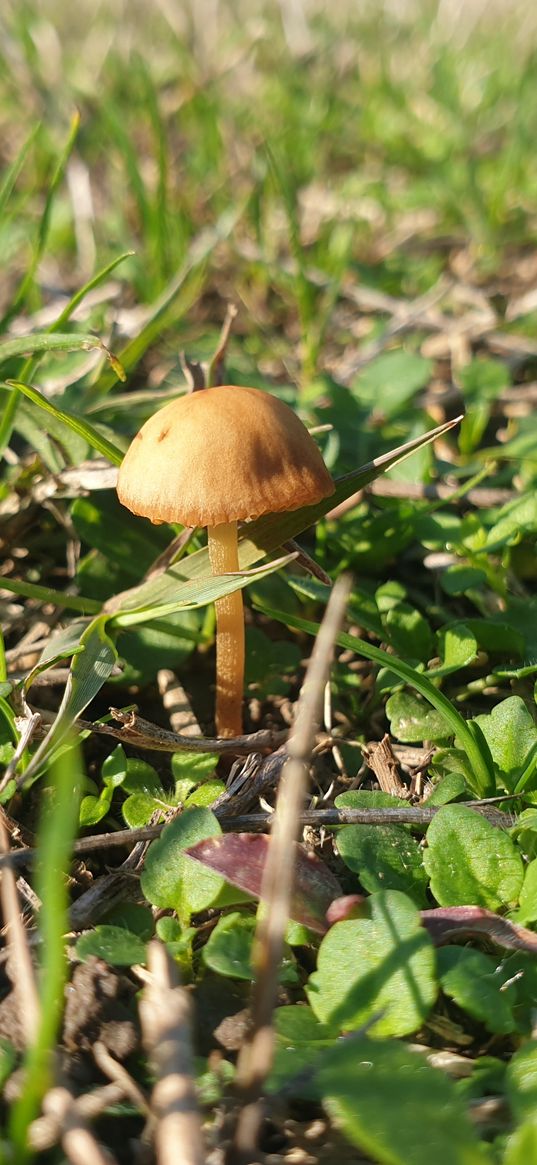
[(255, 1058), (165, 1018)]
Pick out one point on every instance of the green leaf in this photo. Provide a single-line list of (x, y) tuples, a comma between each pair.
[(299, 1038), (139, 809), (522, 1146), (169, 878), (521, 1081), (409, 632), (113, 944), (457, 648), (412, 720), (527, 912), (229, 948), (377, 970), (384, 857), (394, 1107), (511, 735), (470, 862), (390, 381), (479, 985), (196, 766), (457, 580)]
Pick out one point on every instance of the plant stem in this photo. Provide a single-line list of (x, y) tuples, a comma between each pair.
[(224, 559)]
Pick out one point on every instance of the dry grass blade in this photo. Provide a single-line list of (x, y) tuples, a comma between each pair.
[(165, 1019), (256, 1056), (24, 976)]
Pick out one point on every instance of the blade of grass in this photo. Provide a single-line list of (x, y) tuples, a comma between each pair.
[(467, 732), (89, 670), (83, 428), (49, 595), (56, 835), (92, 283), (13, 171), (267, 534), (168, 305), (44, 224)]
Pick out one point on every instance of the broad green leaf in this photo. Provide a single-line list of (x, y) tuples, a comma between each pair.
[(169, 878), (390, 381), (378, 970), (470, 862), (479, 985), (521, 1081), (394, 1107), (522, 1145), (299, 1038), (457, 580), (527, 912), (385, 857), (113, 944), (511, 734), (228, 949), (411, 719), (140, 809), (457, 648), (409, 633), (196, 766)]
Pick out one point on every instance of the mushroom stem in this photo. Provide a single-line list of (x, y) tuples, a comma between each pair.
[(224, 559)]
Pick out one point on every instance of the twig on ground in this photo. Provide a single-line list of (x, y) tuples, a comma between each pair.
[(115, 1071), (78, 1143), (260, 822), (143, 734), (165, 1018), (255, 1058), (46, 1130)]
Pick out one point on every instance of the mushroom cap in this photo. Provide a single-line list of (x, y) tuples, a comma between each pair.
[(221, 455)]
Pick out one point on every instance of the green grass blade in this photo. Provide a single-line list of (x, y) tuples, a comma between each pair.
[(44, 224), (89, 670), (13, 171), (194, 593), (45, 342), (474, 744), (49, 595), (169, 305), (83, 428), (266, 535), (56, 835), (94, 282)]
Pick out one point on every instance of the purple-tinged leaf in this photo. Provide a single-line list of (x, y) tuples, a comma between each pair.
[(456, 922), (349, 906), (240, 859)]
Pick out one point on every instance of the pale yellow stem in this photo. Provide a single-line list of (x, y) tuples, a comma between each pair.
[(224, 559)]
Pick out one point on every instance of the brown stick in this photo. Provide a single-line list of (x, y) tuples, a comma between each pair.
[(165, 1018), (255, 1058)]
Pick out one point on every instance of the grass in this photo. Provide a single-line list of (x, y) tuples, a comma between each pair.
[(362, 185)]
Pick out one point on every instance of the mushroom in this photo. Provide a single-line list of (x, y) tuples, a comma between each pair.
[(213, 458)]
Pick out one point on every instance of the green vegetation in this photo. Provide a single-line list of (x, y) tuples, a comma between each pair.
[(361, 185)]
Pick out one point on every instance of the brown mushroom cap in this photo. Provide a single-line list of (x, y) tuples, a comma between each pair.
[(221, 455)]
